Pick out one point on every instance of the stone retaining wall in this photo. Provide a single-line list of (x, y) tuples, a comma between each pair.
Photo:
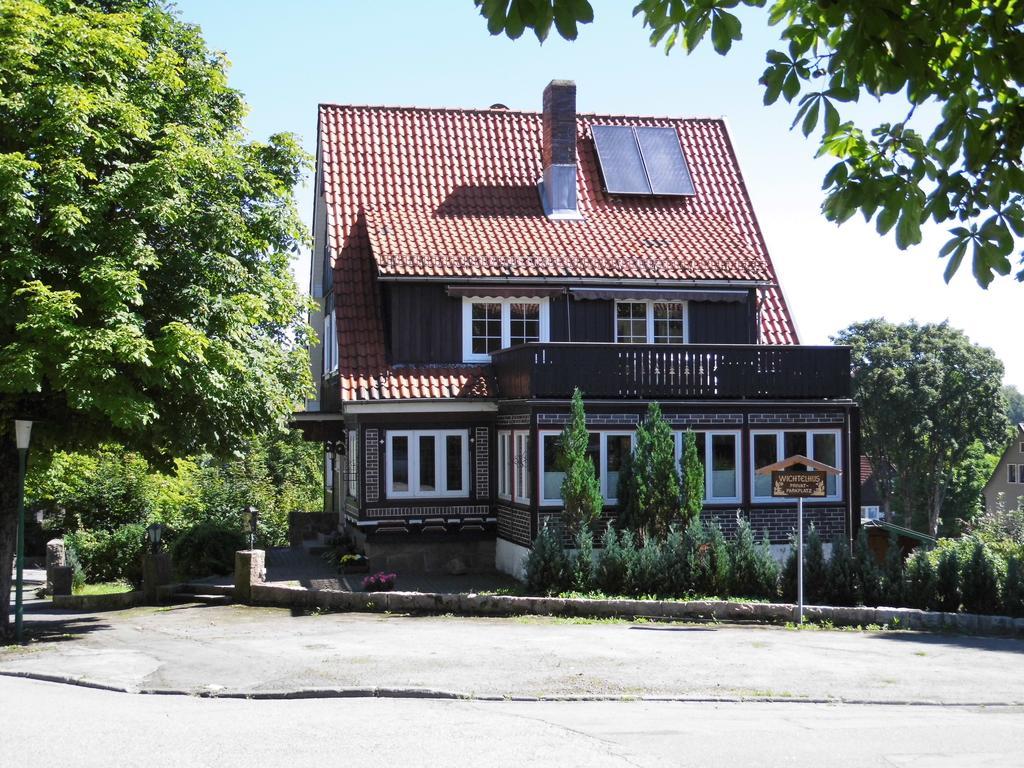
[(702, 610)]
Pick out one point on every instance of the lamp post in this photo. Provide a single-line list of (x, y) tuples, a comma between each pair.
[(252, 517), (153, 533), (22, 435)]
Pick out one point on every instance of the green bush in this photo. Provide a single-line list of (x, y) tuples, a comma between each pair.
[(583, 562), (980, 585), (947, 581), (789, 575), (674, 566), (646, 577), (920, 590), (110, 555), (745, 575), (610, 572), (767, 571), (710, 563), (892, 574), (841, 588), (869, 580), (1013, 592), (630, 554), (547, 568), (208, 548), (815, 569), (581, 491)]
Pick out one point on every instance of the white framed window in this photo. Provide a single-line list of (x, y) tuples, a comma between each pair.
[(352, 455), (1022, 447), (767, 447), (651, 322), (521, 464), (329, 470), (1011, 474), (433, 463), (1020, 473), (719, 453), (505, 465), (606, 450), (492, 324)]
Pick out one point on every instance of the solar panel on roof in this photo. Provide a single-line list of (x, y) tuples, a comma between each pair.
[(664, 161), (621, 164)]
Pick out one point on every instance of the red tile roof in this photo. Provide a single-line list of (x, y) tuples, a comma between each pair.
[(443, 192)]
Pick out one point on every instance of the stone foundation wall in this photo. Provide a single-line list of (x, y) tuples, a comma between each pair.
[(429, 555)]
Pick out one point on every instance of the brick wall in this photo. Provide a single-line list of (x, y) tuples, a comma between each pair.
[(482, 462), (514, 525), (793, 417), (371, 466)]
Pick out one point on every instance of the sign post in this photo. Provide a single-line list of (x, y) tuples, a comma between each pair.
[(788, 483)]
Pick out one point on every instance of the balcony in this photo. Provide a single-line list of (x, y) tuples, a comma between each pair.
[(678, 371)]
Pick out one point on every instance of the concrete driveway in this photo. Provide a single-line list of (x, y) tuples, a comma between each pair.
[(242, 650)]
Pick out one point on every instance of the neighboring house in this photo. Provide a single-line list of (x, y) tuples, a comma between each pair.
[(473, 266), (870, 498), (1006, 485), (880, 533)]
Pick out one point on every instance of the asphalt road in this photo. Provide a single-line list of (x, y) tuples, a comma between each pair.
[(59, 725), (261, 650)]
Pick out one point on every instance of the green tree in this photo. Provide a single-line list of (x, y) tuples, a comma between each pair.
[(581, 491), (956, 165), (692, 472), (144, 242), (927, 394), (1014, 404), (654, 491), (815, 568)]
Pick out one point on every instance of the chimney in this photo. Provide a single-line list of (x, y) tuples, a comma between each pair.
[(558, 187)]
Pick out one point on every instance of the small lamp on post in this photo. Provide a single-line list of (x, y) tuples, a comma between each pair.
[(252, 517), (154, 533), (22, 436)]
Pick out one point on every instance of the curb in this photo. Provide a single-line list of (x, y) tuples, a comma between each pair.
[(443, 695)]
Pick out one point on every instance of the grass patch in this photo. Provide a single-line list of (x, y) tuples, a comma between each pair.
[(104, 588)]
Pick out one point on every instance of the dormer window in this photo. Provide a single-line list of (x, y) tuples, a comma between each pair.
[(490, 324)]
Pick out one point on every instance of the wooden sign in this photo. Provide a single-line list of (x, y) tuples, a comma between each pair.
[(798, 484)]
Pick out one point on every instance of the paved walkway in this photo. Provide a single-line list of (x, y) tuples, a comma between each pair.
[(236, 649)]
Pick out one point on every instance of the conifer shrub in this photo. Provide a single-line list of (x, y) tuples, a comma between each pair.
[(710, 562), (583, 561), (868, 576), (789, 575), (815, 568), (674, 564), (646, 577), (630, 554), (654, 492), (547, 568), (920, 583), (980, 585), (768, 571), (1013, 592), (692, 479), (892, 574), (841, 588), (745, 575), (610, 573), (947, 581), (581, 491)]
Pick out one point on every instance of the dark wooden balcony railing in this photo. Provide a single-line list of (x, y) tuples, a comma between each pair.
[(680, 371)]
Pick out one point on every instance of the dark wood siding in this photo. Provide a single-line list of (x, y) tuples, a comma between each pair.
[(424, 323), (720, 323), (593, 320)]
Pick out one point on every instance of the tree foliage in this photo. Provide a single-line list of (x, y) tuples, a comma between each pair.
[(144, 241), (959, 165), (653, 479), (926, 395), (692, 475), (581, 491), (1014, 404)]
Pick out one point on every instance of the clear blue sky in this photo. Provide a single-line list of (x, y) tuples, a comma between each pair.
[(288, 57)]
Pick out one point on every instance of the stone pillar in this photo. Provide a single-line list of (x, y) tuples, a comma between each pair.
[(61, 580), (56, 557), (156, 573), (250, 568)]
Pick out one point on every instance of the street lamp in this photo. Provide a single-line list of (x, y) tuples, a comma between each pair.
[(153, 533), (252, 517), (22, 435)]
